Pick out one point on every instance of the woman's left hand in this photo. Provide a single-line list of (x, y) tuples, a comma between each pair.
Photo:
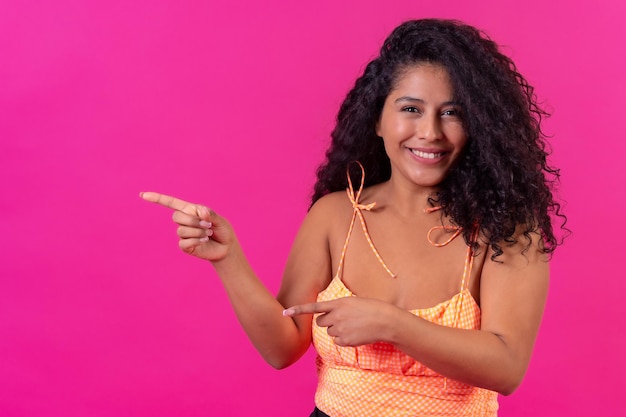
[(351, 321)]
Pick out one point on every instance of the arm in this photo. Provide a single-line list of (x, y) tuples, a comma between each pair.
[(513, 295), (205, 234)]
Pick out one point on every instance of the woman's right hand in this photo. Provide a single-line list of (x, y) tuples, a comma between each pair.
[(202, 232)]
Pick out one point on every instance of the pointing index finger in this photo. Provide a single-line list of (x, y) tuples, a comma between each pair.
[(311, 308), (169, 202)]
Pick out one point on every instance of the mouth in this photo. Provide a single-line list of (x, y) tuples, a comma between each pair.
[(426, 155)]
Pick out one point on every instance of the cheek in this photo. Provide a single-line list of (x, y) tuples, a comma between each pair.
[(392, 125), (462, 143), (398, 129), (458, 137)]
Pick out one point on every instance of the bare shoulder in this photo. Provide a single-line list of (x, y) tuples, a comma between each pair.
[(331, 209), (517, 278), (524, 252), (332, 201), (523, 260)]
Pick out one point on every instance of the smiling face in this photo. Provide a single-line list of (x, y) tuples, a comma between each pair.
[(421, 126)]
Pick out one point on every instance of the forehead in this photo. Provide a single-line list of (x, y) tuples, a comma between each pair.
[(425, 79)]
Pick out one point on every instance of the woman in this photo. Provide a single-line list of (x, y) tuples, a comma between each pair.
[(428, 281)]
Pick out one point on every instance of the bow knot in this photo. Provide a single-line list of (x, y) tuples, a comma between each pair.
[(354, 199)]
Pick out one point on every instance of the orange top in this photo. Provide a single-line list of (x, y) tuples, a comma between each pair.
[(380, 380)]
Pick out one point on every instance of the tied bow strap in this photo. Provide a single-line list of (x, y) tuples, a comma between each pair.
[(467, 268), (469, 259), (457, 230), (358, 211)]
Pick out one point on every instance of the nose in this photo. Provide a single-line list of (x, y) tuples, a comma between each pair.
[(429, 128)]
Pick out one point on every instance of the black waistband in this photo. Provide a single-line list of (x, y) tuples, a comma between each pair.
[(318, 413)]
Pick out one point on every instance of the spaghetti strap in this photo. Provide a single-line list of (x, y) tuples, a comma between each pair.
[(467, 267), (357, 212), (469, 259)]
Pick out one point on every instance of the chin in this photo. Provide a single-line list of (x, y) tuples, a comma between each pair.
[(428, 181)]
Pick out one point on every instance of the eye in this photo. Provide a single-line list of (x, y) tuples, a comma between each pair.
[(410, 109), (451, 113)]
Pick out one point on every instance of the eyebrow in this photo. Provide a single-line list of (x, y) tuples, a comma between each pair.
[(419, 100)]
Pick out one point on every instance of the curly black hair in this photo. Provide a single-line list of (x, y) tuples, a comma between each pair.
[(502, 182)]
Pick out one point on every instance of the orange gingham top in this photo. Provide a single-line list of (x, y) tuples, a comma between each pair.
[(378, 380)]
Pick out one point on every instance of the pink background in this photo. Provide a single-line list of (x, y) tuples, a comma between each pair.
[(231, 105)]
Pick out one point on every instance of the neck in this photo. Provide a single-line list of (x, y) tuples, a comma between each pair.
[(407, 199)]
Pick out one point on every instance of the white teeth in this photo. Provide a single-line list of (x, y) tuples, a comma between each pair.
[(426, 155)]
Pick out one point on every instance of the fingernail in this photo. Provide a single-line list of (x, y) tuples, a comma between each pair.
[(204, 239), (205, 224), (209, 232), (288, 312)]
